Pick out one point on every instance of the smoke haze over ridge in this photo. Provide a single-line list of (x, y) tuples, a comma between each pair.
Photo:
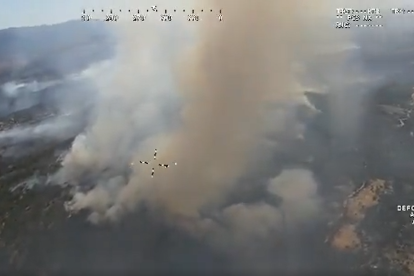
[(225, 82)]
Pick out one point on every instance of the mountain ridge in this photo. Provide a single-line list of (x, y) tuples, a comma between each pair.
[(50, 51)]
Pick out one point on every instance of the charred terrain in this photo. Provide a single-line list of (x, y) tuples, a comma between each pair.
[(362, 181)]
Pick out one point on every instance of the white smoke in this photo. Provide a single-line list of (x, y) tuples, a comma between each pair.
[(225, 83)]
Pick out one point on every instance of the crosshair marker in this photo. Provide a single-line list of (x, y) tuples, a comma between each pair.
[(153, 168)]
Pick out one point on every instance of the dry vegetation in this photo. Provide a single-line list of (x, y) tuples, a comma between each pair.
[(346, 237)]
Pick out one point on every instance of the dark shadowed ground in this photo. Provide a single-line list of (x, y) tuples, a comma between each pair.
[(37, 234), (362, 182)]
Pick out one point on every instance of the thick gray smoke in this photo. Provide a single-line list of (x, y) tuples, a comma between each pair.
[(60, 128), (226, 83)]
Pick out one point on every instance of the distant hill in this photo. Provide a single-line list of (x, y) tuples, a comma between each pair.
[(49, 51)]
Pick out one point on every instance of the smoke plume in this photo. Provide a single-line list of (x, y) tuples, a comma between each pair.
[(236, 69)]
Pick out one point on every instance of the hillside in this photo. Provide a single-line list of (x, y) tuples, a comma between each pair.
[(51, 51)]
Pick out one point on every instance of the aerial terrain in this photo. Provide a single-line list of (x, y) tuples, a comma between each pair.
[(63, 206)]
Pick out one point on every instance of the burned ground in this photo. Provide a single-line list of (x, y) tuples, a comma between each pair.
[(362, 180), (362, 183)]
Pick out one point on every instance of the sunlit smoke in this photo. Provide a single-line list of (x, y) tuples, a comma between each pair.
[(225, 83)]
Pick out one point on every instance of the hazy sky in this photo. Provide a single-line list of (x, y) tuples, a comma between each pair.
[(16, 13)]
